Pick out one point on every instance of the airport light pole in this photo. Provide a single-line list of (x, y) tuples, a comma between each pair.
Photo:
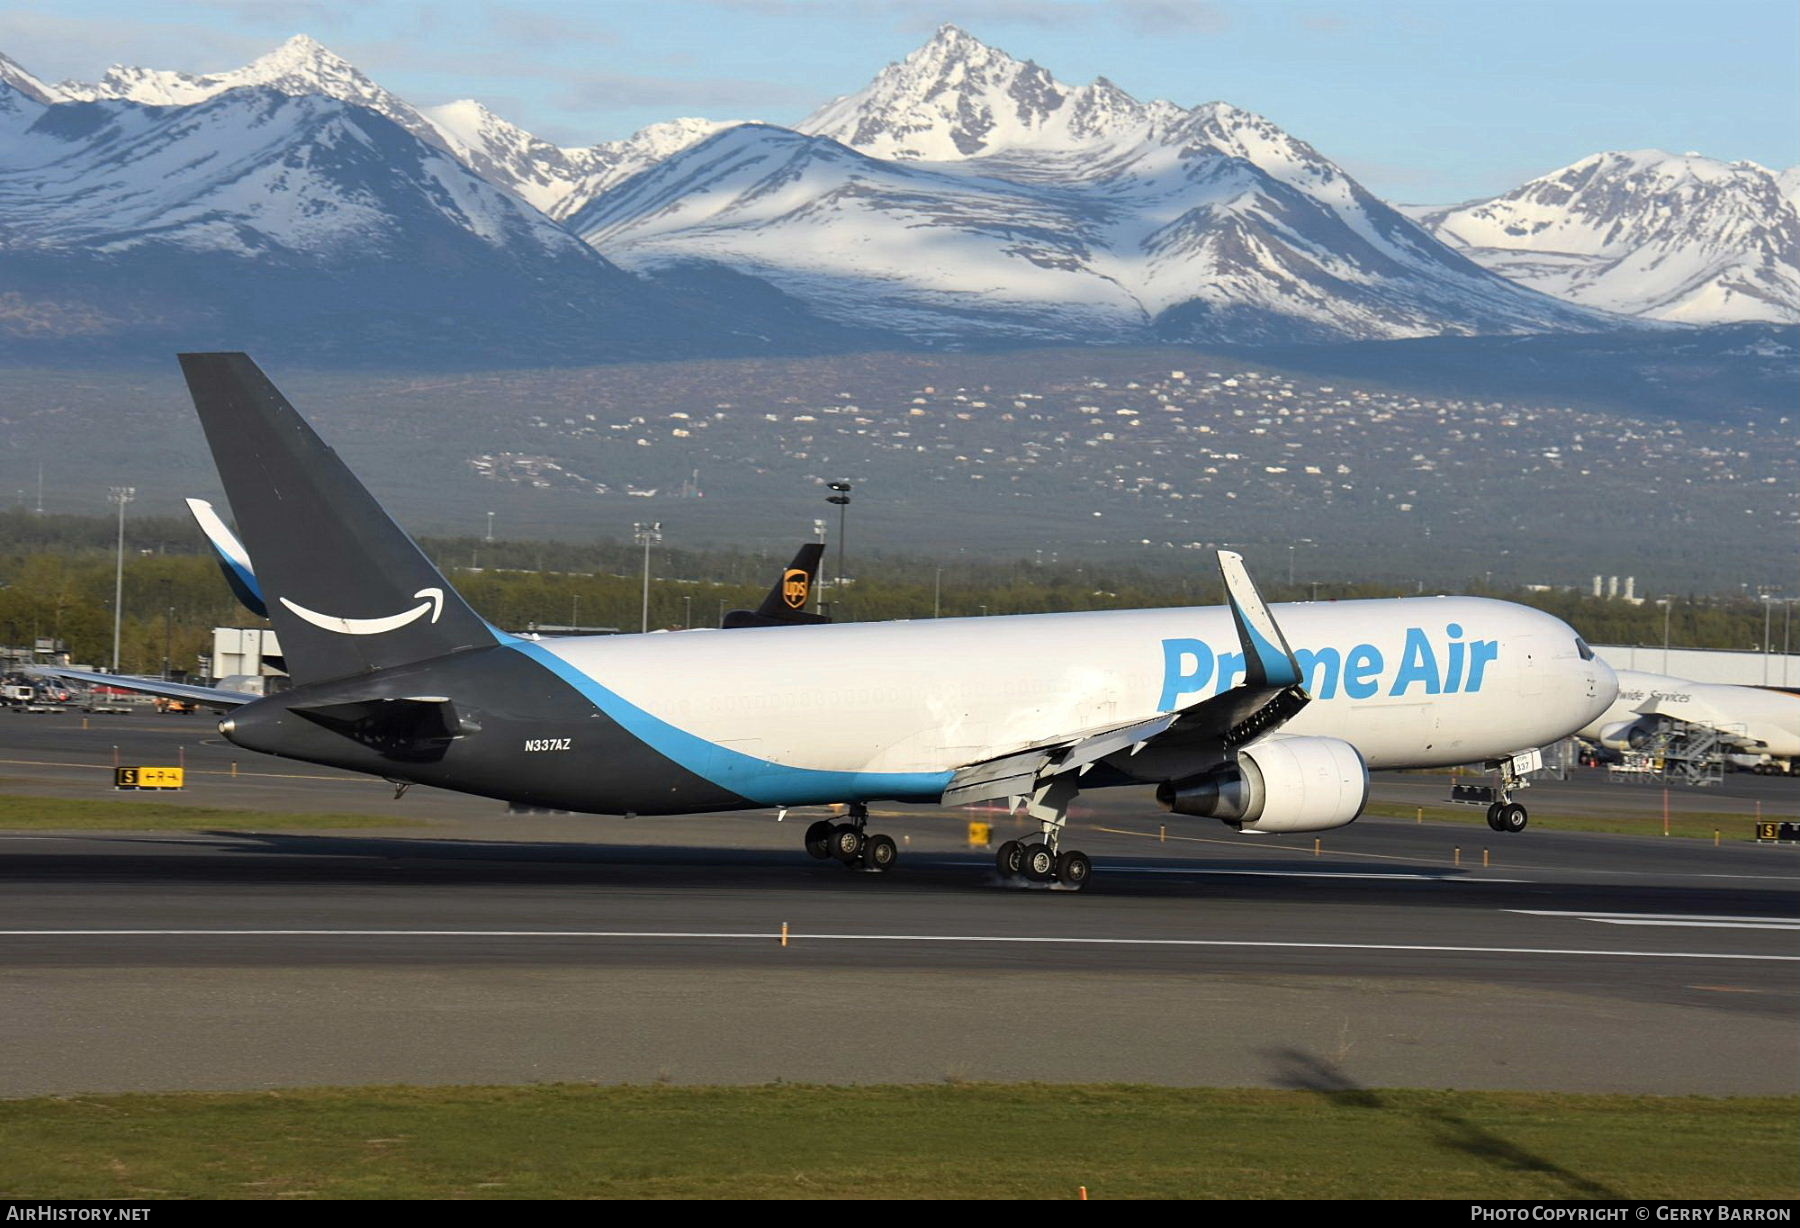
[(1767, 609), (168, 627), (1787, 625), (120, 495), (840, 495), (490, 526), (819, 588), (647, 535)]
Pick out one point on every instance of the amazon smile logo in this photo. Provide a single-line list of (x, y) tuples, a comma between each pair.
[(434, 601)]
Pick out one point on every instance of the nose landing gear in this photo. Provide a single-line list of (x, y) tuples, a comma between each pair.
[(1506, 816)]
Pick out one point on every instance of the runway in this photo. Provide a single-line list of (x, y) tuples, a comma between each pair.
[(494, 948), (230, 961)]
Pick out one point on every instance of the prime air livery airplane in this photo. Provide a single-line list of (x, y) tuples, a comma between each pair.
[(395, 675)]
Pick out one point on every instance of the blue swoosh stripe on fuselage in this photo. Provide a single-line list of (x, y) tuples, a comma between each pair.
[(756, 780)]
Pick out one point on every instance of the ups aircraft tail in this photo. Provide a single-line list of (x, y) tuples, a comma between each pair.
[(347, 589), (785, 606)]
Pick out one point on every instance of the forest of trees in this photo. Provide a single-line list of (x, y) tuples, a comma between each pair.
[(57, 573)]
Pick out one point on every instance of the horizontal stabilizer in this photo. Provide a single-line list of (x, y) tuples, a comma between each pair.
[(186, 691)]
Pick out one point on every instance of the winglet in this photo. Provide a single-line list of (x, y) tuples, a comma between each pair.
[(1267, 659), (234, 560)]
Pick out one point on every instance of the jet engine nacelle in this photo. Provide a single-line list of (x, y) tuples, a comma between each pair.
[(1283, 784), (1630, 735)]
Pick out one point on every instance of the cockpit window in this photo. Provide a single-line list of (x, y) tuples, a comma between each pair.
[(1581, 646)]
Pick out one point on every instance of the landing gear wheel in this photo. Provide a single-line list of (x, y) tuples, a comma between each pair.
[(818, 839), (1512, 817), (1494, 816), (1009, 859), (880, 853), (1073, 869), (846, 842), (1040, 863)]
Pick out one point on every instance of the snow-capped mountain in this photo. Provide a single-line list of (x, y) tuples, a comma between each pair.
[(963, 197), (613, 162), (956, 97), (968, 195), (301, 67), (250, 172), (23, 83), (258, 215), (1671, 237), (554, 180), (1789, 181), (558, 181)]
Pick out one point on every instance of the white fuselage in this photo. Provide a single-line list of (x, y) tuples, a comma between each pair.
[(1767, 722), (1411, 682)]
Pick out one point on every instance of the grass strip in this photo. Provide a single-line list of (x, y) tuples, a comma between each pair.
[(944, 1141), (22, 813)]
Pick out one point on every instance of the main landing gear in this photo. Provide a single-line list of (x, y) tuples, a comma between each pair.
[(851, 843), (1039, 859)]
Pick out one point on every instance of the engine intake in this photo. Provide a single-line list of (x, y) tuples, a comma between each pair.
[(1283, 784), (1633, 734)]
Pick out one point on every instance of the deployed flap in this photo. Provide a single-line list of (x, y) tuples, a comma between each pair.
[(1184, 742), (234, 560), (785, 605), (153, 686), (1009, 775)]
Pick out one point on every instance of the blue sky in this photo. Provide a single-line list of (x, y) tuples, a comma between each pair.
[(1424, 102)]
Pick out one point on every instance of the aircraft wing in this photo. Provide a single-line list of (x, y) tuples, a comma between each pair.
[(209, 695), (1195, 737), (1732, 734)]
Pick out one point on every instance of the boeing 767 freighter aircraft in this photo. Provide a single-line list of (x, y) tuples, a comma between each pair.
[(395, 675)]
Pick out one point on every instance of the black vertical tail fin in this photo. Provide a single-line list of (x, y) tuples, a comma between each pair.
[(347, 589), (785, 606)]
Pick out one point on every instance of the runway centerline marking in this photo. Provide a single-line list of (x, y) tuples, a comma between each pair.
[(774, 935), (1790, 926), (1671, 919), (1447, 877)]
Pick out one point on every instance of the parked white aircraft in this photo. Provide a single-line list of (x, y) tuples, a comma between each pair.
[(1752, 720), (395, 675)]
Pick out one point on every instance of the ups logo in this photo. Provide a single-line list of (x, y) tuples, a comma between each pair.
[(795, 585)]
